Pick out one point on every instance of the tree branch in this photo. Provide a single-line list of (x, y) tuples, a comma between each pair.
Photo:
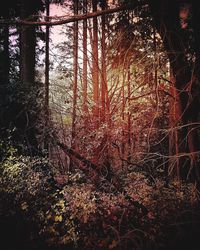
[(72, 18), (81, 158)]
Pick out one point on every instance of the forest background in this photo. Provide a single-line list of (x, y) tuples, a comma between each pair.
[(99, 114)]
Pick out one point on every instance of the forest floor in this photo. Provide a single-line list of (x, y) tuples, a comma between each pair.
[(38, 212)]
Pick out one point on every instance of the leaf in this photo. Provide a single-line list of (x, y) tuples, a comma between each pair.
[(58, 218)]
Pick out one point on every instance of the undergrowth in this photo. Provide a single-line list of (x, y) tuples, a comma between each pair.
[(78, 215)]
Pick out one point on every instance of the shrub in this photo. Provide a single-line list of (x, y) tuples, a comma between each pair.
[(77, 215)]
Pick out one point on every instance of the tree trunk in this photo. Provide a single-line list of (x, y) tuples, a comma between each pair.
[(85, 63), (4, 56), (174, 118), (166, 17), (46, 78), (95, 65), (196, 29), (75, 83), (4, 74), (103, 66), (129, 110), (27, 48), (123, 116), (26, 122)]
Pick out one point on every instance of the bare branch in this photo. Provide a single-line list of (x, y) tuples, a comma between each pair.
[(70, 19)]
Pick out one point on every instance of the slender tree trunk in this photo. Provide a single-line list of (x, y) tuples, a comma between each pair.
[(174, 118), (95, 64), (155, 59), (123, 116), (105, 100), (4, 53), (85, 63), (129, 111), (105, 104), (47, 77), (4, 72), (103, 66), (4, 56), (75, 65)]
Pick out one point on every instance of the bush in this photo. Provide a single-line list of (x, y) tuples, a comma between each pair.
[(77, 215)]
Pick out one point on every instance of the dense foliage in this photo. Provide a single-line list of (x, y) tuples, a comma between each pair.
[(70, 211)]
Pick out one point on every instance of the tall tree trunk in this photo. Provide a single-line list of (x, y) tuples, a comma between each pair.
[(129, 110), (123, 115), (196, 30), (105, 103), (174, 118), (26, 122), (27, 48), (166, 17), (4, 72), (85, 63), (47, 77), (95, 64), (4, 56), (75, 71), (103, 65)]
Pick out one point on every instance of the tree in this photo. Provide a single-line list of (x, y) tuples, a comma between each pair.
[(166, 15), (47, 75), (27, 46), (26, 122), (104, 104), (75, 66), (16, 91), (4, 54), (4, 67), (85, 61), (95, 64)]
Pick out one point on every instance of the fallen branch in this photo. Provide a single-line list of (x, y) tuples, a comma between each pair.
[(81, 158)]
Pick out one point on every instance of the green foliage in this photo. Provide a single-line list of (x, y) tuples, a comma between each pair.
[(21, 115), (23, 180), (6, 148)]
